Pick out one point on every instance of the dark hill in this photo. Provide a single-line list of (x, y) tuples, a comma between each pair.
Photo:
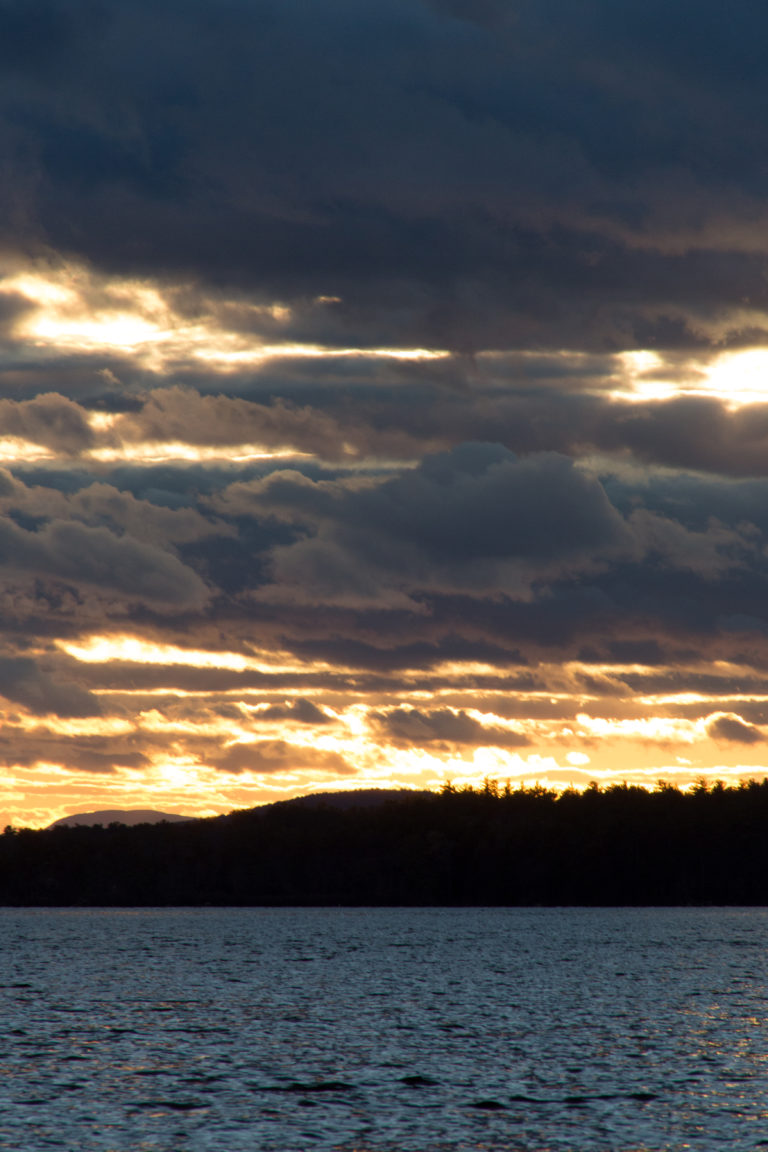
[(621, 845), (128, 816), (354, 798)]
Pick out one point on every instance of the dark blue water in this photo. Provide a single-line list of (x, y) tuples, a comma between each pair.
[(386, 1029)]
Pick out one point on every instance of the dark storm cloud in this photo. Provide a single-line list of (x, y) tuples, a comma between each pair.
[(494, 173)]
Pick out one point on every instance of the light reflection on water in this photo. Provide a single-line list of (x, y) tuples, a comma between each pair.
[(384, 1030)]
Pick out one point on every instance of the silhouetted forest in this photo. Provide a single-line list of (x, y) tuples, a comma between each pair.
[(618, 845)]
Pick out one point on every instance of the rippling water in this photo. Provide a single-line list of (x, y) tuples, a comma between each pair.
[(389, 1030)]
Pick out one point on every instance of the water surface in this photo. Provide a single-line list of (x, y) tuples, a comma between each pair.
[(384, 1030)]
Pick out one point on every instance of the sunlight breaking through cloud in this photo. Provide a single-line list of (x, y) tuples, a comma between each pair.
[(76, 311)]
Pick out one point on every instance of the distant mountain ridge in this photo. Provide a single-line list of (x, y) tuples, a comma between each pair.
[(129, 816), (353, 798)]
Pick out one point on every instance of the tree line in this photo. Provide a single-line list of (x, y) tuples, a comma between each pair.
[(619, 845)]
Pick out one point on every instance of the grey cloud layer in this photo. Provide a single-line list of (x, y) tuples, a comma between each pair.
[(733, 729), (528, 407), (416, 726), (477, 520), (95, 557), (50, 420), (23, 681), (551, 173), (472, 552), (76, 560)]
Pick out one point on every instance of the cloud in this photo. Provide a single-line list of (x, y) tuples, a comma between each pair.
[(480, 521), (708, 553), (692, 432), (269, 756), (482, 172), (67, 551), (732, 729), (24, 682), (303, 711), (452, 726), (476, 520), (182, 414), (526, 406), (98, 754), (99, 505), (50, 420)]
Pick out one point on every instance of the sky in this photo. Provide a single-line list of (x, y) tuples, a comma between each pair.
[(383, 397)]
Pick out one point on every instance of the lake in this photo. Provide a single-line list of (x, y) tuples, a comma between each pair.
[(384, 1030)]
